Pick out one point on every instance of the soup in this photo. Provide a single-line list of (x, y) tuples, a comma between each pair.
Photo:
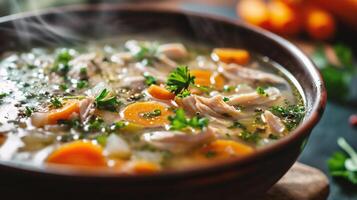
[(142, 106)]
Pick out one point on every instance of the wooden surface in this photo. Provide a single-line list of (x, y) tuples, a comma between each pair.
[(302, 182)]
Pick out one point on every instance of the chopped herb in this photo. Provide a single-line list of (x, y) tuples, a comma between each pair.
[(237, 124), (261, 92), (82, 84), (28, 111), (149, 80), (63, 86), (95, 124), (105, 101), (228, 88), (210, 154), (179, 80), (204, 89), (2, 95), (291, 115), (155, 113), (72, 123), (225, 99), (180, 121), (249, 137), (340, 165), (102, 139), (56, 102), (117, 126), (61, 66)]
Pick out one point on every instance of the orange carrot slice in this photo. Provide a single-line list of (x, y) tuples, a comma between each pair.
[(319, 24), (225, 149), (254, 12), (208, 79), (160, 92), (230, 55), (65, 112), (139, 113), (143, 167), (284, 19), (78, 153)]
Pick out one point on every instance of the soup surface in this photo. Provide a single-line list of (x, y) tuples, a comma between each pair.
[(140, 106)]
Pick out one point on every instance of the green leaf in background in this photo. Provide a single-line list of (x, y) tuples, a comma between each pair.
[(337, 78), (344, 54), (340, 165)]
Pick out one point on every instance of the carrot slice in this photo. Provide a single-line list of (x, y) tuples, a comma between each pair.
[(284, 19), (65, 112), (79, 153), (254, 12), (139, 113), (224, 149), (160, 92), (143, 167), (208, 79), (319, 23), (230, 55)]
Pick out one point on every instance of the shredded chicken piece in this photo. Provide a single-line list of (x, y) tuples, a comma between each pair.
[(233, 72), (90, 61), (167, 61), (274, 123), (173, 50), (253, 98), (178, 142), (214, 106), (85, 108)]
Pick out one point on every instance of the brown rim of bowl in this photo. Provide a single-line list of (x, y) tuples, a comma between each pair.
[(303, 130)]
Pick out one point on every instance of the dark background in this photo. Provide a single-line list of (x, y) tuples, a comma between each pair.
[(333, 124)]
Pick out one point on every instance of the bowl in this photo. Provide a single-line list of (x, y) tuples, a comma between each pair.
[(244, 178)]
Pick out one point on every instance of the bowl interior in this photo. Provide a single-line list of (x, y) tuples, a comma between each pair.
[(78, 24)]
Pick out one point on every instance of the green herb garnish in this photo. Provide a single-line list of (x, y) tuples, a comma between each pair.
[(179, 80), (155, 113), (261, 91), (105, 101), (249, 137), (340, 165), (180, 121), (150, 80), (28, 111), (117, 126), (61, 65), (56, 102), (228, 88), (82, 84), (291, 115), (225, 99)]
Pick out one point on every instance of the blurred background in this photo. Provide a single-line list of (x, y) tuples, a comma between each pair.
[(326, 30)]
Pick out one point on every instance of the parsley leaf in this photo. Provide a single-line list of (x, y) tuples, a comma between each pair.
[(105, 101), (155, 113), (340, 165), (261, 92), (149, 80), (180, 121), (56, 102), (291, 115), (179, 80)]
